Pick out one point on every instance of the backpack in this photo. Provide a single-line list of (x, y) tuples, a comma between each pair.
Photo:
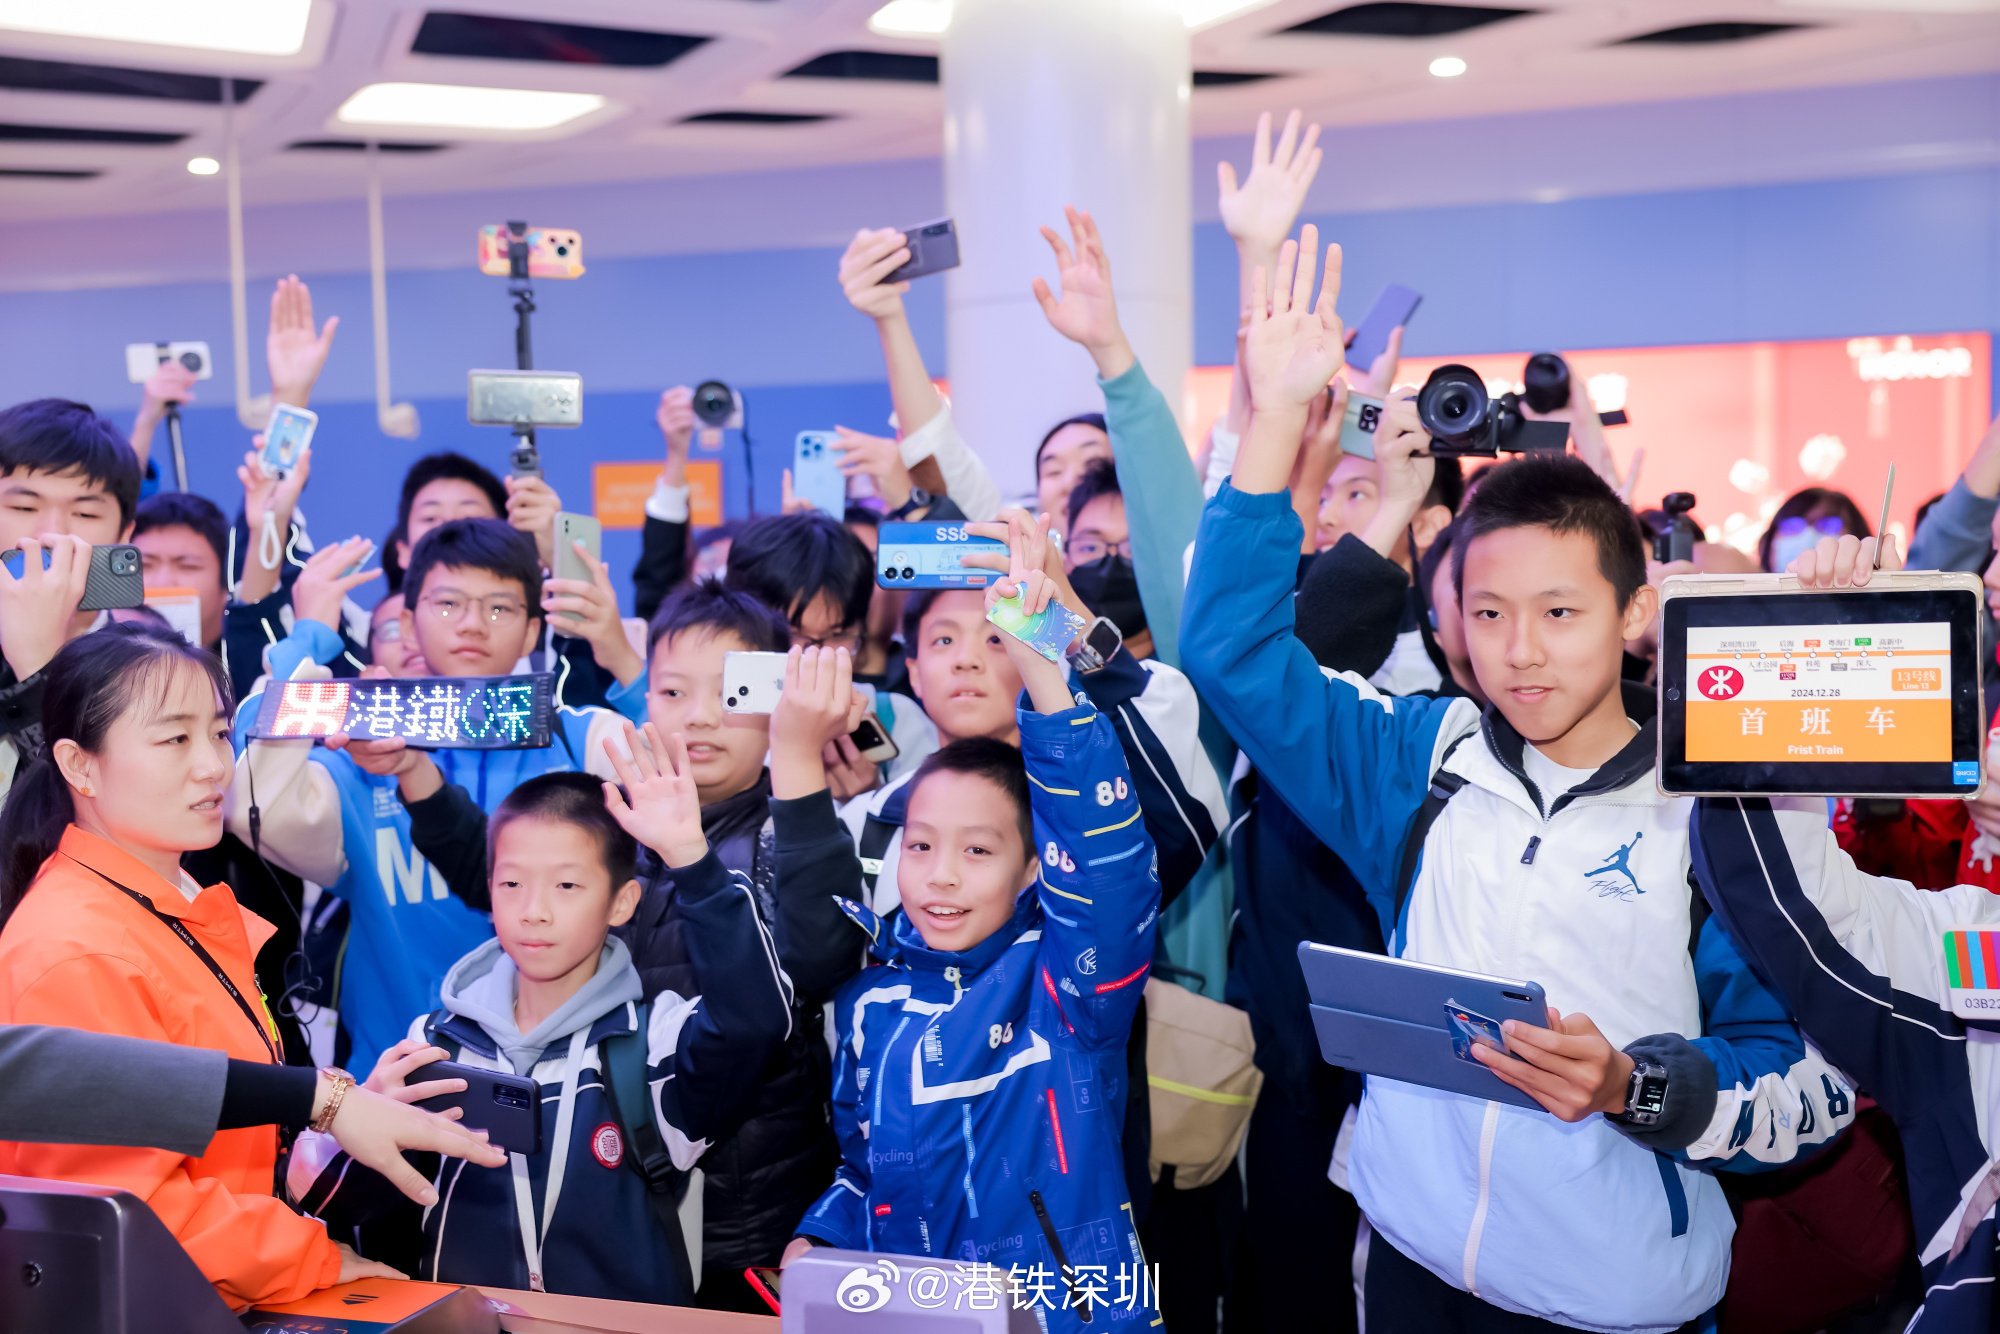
[(646, 1149), (1842, 1217)]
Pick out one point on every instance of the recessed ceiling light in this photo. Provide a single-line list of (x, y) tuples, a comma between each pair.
[(203, 166), (1447, 67), (930, 18), (247, 27), (455, 106)]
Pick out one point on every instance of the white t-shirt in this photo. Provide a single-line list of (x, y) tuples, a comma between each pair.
[(1551, 779)]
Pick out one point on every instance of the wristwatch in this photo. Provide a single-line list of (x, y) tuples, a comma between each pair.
[(1098, 644), (919, 499), (342, 1082), (1646, 1100)]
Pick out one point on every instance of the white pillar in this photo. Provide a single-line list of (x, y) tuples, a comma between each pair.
[(1047, 103)]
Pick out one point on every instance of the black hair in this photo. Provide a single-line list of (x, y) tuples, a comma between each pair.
[(1435, 555), (1100, 479), (491, 545), (789, 560), (441, 467), (1564, 495), (1801, 503), (998, 763), (65, 439), (88, 686), (1447, 485), (1081, 419), (185, 509), (708, 605), (862, 515), (571, 799)]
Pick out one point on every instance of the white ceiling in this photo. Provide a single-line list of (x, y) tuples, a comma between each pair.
[(1557, 57)]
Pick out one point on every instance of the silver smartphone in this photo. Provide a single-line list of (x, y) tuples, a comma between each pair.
[(524, 398), (570, 530), (142, 359)]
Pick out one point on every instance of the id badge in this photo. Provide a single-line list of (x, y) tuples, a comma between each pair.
[(1972, 971)]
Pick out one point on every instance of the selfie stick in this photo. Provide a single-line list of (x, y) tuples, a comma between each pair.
[(527, 460), (173, 420)]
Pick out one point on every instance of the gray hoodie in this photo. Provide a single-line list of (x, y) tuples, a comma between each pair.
[(480, 987)]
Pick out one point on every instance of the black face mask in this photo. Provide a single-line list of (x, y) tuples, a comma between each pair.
[(1110, 588)]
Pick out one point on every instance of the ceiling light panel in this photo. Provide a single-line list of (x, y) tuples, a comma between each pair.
[(239, 27), (462, 107)]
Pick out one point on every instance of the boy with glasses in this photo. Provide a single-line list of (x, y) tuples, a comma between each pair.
[(339, 814)]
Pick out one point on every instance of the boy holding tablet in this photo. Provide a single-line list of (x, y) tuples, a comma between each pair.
[(1892, 982), (1553, 860)]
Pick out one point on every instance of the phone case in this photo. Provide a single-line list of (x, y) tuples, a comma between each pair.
[(933, 249), (1371, 337), (816, 474), (873, 741), (571, 529), (752, 682), (287, 438), (116, 580), (1358, 426), (555, 253), (1048, 632), (507, 1107), (927, 555)]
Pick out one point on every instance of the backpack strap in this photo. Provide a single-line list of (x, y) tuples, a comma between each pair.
[(1698, 912), (1444, 786), (646, 1149), (876, 836)]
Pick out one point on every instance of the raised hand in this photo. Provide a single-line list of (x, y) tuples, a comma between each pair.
[(170, 382), (818, 706), (1087, 311), (269, 502), (677, 422), (588, 609), (1259, 213), (327, 578), (658, 806), (1381, 376), (1845, 562), (532, 506), (1027, 577), (1293, 345), (874, 456), (36, 610), (871, 256), (293, 353)]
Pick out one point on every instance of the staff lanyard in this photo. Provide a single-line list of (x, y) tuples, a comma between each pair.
[(533, 1239), (179, 928)]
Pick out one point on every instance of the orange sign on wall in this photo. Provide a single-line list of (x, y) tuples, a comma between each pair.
[(620, 491)]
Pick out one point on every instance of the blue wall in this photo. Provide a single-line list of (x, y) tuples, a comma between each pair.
[(1817, 260)]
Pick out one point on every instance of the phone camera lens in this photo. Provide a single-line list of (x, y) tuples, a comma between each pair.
[(909, 573)]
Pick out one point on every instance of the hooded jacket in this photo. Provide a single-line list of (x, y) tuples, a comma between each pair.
[(1861, 958), (1585, 892), (575, 1217), (81, 953), (978, 1093), (324, 818)]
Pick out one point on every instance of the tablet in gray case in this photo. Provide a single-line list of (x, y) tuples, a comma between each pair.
[(1385, 1016)]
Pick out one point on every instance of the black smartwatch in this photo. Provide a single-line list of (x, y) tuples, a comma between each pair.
[(919, 499), (1098, 644), (1646, 1100)]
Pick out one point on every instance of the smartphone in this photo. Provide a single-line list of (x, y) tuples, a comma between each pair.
[(1358, 426), (142, 359), (816, 474), (752, 682), (553, 252), (873, 740), (116, 580), (765, 1283), (524, 398), (507, 1107), (571, 529), (1048, 632), (1371, 336), (287, 438), (367, 554), (930, 555), (933, 249)]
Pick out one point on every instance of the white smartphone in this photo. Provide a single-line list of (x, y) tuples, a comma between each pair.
[(571, 529), (752, 682), (142, 359)]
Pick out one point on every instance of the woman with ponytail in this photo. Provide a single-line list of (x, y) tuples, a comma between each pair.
[(101, 929)]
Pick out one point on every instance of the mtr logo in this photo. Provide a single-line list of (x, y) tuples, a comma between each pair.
[(1721, 683)]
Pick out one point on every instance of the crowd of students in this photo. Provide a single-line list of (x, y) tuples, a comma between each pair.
[(778, 996)]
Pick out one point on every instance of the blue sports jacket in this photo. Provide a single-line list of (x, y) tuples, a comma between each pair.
[(978, 1094)]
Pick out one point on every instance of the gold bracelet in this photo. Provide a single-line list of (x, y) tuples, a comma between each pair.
[(342, 1081)]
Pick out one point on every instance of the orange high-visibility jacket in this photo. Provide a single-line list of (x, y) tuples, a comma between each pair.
[(80, 953)]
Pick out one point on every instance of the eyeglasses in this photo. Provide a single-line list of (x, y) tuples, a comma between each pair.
[(495, 611), (1827, 525), (1084, 550)]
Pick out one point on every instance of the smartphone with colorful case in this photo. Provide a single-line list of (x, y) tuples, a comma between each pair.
[(287, 438), (930, 555), (816, 474), (1048, 632)]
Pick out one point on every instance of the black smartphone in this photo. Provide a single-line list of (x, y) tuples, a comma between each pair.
[(507, 1107), (116, 580), (933, 249), (1371, 337)]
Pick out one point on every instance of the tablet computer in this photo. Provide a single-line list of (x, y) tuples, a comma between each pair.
[(1767, 689), (1400, 1019)]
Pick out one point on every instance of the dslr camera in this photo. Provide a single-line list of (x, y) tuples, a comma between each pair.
[(1463, 420)]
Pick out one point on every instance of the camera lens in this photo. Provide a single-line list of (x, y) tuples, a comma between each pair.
[(714, 404), (909, 573), (192, 360), (1453, 405), (1545, 383)]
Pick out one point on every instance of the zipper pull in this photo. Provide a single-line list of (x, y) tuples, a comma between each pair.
[(952, 975), (1534, 846)]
